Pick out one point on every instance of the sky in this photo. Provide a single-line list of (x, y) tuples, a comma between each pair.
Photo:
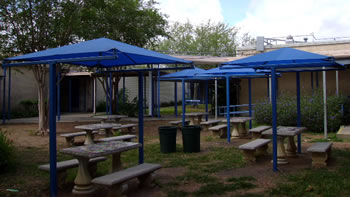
[(268, 18)]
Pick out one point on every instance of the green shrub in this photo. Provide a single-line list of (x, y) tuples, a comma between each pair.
[(26, 108), (101, 106), (6, 153), (311, 111)]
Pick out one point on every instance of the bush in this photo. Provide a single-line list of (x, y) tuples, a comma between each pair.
[(6, 153), (26, 108), (311, 111), (101, 106)]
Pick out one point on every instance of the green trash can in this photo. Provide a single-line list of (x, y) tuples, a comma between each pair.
[(191, 138), (167, 138)]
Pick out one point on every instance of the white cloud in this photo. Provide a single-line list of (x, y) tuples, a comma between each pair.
[(196, 11), (272, 18)]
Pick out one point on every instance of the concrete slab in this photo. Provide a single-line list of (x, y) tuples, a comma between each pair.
[(344, 132)]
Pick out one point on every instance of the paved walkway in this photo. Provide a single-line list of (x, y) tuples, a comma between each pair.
[(88, 117)]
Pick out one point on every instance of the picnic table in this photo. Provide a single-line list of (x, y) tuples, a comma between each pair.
[(196, 117), (82, 181), (238, 128), (282, 133), (104, 118), (89, 128)]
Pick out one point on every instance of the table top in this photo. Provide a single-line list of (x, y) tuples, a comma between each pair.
[(93, 127), (100, 149), (196, 114), (239, 119), (285, 131), (108, 117)]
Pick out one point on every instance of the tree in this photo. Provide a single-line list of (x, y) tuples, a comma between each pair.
[(135, 22), (32, 25), (216, 39)]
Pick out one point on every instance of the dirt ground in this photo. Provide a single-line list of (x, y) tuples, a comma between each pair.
[(23, 136)]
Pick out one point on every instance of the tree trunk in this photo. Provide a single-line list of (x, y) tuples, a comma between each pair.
[(116, 79), (43, 110)]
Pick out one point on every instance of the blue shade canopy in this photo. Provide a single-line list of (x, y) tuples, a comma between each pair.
[(188, 74), (233, 71), (287, 59), (126, 54)]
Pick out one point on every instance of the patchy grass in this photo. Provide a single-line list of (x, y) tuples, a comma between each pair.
[(332, 137), (318, 182)]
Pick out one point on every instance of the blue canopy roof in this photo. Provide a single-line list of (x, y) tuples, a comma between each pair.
[(187, 74), (234, 71), (126, 54), (287, 59)]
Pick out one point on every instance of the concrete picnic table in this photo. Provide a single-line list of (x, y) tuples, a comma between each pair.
[(238, 128), (89, 128), (196, 117), (82, 181), (282, 133), (104, 118)]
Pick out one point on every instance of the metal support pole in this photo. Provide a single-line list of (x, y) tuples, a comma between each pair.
[(216, 99), (298, 109), (123, 88), (270, 89), (183, 102), (58, 96), (52, 127), (228, 108), (70, 94), (250, 100), (158, 93), (274, 118), (175, 99), (325, 104), (150, 93), (206, 99), (4, 98), (9, 97), (337, 83), (141, 117), (94, 102), (110, 92)]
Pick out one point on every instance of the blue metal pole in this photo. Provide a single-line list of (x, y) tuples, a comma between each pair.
[(141, 157), (70, 94), (58, 96), (9, 97), (206, 100), (183, 102), (52, 125), (274, 118), (4, 98), (298, 109), (250, 100), (152, 91), (158, 93), (228, 108), (123, 88), (84, 101), (110, 93), (175, 102)]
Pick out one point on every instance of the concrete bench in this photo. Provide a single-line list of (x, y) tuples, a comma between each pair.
[(320, 153), (249, 149), (219, 130), (131, 128), (115, 181), (206, 124), (63, 166), (256, 132), (117, 138), (70, 136)]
